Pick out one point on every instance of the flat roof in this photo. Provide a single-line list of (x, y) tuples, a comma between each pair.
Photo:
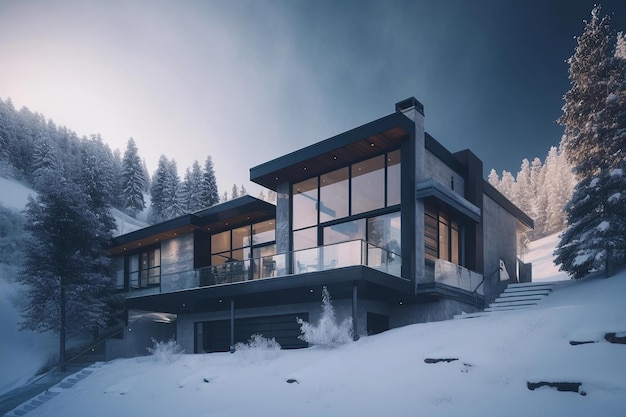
[(240, 210), (357, 144)]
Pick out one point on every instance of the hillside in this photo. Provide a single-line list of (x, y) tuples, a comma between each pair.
[(490, 361), (23, 353)]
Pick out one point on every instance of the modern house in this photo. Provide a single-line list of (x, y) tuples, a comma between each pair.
[(399, 229)]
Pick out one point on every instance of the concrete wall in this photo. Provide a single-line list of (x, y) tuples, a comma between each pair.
[(437, 169), (137, 338), (177, 271), (438, 310), (500, 242)]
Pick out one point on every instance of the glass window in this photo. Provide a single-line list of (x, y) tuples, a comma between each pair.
[(305, 238), (368, 185), (344, 231), (220, 242), (454, 243), (263, 232), (334, 195), (393, 178), (220, 258), (385, 232), (241, 237), (305, 203), (144, 268)]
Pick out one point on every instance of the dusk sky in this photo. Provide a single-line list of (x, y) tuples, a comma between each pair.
[(249, 81)]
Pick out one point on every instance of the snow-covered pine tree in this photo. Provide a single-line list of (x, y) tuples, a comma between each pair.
[(595, 132), (172, 207), (133, 180), (194, 183), (157, 194), (210, 194), (45, 163), (493, 178), (243, 191), (66, 269), (235, 192)]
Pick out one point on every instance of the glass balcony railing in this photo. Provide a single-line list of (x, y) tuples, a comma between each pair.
[(322, 258)]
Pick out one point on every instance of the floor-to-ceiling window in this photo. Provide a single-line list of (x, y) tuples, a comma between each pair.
[(441, 235), (359, 202)]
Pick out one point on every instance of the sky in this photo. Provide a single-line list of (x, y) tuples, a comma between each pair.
[(248, 81)]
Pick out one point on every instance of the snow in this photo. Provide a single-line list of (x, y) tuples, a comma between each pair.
[(386, 374), (540, 254), (603, 226), (617, 172), (14, 195)]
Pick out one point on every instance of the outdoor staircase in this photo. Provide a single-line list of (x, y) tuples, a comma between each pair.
[(517, 296), (520, 296)]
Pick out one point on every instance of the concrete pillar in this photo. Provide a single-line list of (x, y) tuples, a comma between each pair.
[(232, 326), (414, 110), (283, 222), (355, 317)]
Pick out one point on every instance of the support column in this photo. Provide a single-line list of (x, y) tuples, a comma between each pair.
[(355, 318), (232, 326)]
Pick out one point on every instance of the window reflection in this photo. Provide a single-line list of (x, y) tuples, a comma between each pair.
[(368, 185), (334, 195), (393, 178), (305, 203)]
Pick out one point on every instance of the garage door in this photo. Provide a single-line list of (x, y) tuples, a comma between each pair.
[(214, 336)]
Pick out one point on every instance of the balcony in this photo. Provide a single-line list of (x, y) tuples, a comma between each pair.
[(452, 275), (322, 258)]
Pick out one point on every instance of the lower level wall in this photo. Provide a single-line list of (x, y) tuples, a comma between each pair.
[(137, 339), (437, 310)]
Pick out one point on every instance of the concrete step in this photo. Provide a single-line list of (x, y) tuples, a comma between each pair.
[(504, 299), (501, 309), (513, 304), (531, 285), (535, 293), (527, 290)]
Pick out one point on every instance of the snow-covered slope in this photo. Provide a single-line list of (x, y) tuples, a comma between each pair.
[(23, 353), (540, 254), (490, 362)]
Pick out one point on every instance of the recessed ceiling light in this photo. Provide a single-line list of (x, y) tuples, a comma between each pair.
[(372, 145)]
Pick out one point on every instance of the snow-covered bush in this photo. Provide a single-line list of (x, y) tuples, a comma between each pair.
[(165, 352), (258, 349), (327, 333)]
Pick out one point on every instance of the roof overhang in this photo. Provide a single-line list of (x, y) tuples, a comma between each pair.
[(433, 188), (234, 212), (357, 144)]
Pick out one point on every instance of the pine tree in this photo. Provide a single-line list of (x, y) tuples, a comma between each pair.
[(235, 192), (172, 207), (493, 178), (157, 191), (45, 163), (594, 116), (66, 272), (243, 191), (196, 200), (209, 192), (133, 180)]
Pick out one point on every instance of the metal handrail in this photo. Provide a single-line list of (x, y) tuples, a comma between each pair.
[(115, 330)]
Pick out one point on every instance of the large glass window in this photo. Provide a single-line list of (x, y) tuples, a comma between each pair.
[(263, 232), (333, 195), (305, 238), (144, 268), (441, 235), (368, 185), (305, 203), (354, 190), (343, 232), (385, 232), (393, 178)]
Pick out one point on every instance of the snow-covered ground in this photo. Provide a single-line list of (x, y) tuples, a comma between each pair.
[(540, 254), (386, 374)]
